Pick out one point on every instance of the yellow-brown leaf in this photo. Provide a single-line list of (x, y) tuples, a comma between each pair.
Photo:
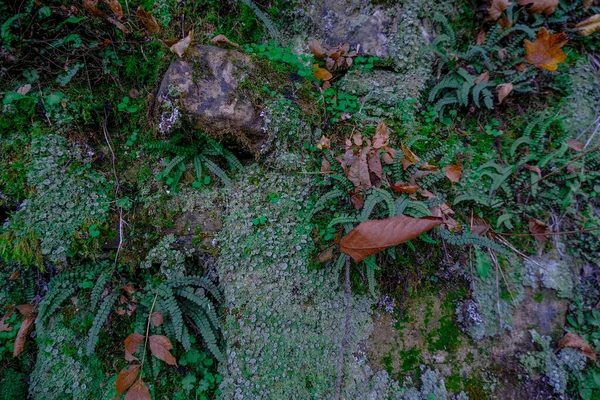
[(545, 7), (589, 26), (139, 391), (539, 229), (116, 8), (222, 39), (126, 378), (132, 343), (90, 6), (28, 320), (321, 73), (374, 236), (573, 341), (503, 90), (497, 7), (382, 136), (148, 20), (160, 346), (181, 46), (575, 144), (546, 52), (453, 172)]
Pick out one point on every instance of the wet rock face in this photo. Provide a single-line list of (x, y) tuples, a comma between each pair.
[(204, 89)]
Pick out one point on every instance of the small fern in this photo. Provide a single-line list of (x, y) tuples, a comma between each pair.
[(99, 320)]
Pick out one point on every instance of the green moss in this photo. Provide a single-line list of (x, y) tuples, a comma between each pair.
[(411, 359)]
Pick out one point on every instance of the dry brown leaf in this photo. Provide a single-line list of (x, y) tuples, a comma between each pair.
[(132, 343), (160, 346), (535, 169), (14, 276), (321, 73), (326, 255), (546, 52), (181, 46), (374, 236), (497, 7), (324, 143), (23, 90), (587, 3), (410, 156), (3, 326), (484, 77), (222, 39), (382, 136), (139, 391), (575, 144), (479, 226), (315, 47), (375, 168), (503, 90), (325, 166), (126, 378), (90, 6), (157, 318), (129, 289), (357, 139), (521, 67), (116, 8), (131, 309), (480, 38), (358, 173), (148, 20), (539, 6), (575, 342), (404, 188), (357, 201), (453, 172), (28, 319), (589, 25), (539, 229)]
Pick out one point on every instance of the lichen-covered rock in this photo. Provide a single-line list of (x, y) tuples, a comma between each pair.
[(203, 88)]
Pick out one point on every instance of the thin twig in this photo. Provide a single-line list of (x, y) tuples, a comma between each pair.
[(147, 333), (348, 301), (117, 187)]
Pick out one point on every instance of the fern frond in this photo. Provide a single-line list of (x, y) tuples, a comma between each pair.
[(388, 199), (99, 320), (216, 170), (98, 289), (320, 204), (417, 209), (343, 219), (371, 266)]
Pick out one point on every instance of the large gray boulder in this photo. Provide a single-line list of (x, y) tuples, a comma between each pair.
[(203, 88)]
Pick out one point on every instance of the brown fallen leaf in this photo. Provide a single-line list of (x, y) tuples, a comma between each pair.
[(478, 225), (374, 236), (148, 20), (126, 378), (453, 172), (497, 7), (23, 90), (388, 155), (129, 289), (321, 73), (546, 52), (404, 188), (222, 39), (28, 319), (324, 143), (382, 136), (157, 318), (587, 3), (325, 166), (14, 276), (4, 327), (116, 8), (315, 47), (410, 156), (139, 391), (375, 168), (326, 255), (480, 38), (589, 25), (575, 342), (91, 7), (535, 169), (503, 90), (539, 229), (545, 7), (575, 144), (357, 139), (358, 173), (181, 46), (132, 343), (484, 77), (160, 346), (357, 200)]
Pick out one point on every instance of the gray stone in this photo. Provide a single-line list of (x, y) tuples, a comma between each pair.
[(203, 88)]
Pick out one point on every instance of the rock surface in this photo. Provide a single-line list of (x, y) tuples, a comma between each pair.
[(204, 89)]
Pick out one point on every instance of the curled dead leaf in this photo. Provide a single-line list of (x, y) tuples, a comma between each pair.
[(14, 276), (404, 188), (4, 327), (359, 173), (132, 343), (382, 136), (139, 391), (181, 46), (539, 229), (497, 8), (589, 25), (325, 166), (129, 289), (326, 255), (480, 38), (453, 172), (575, 144), (315, 47), (28, 313), (374, 236), (91, 7), (116, 8), (324, 143), (478, 225), (126, 378), (148, 20), (160, 346), (157, 318), (321, 73), (503, 90), (545, 52), (545, 7), (575, 342), (222, 39), (484, 77), (535, 169)]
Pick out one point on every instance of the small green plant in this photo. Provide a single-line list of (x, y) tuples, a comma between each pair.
[(341, 105), (126, 106), (491, 130), (197, 150), (299, 64)]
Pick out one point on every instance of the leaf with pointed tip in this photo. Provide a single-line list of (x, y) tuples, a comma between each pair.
[(28, 320), (589, 25), (374, 236), (453, 172), (181, 46), (157, 318), (575, 144), (222, 39), (148, 20), (539, 229), (539, 6), (132, 343), (382, 136), (577, 343), (545, 52), (497, 7), (321, 73), (503, 90), (160, 346), (139, 391), (126, 378)]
